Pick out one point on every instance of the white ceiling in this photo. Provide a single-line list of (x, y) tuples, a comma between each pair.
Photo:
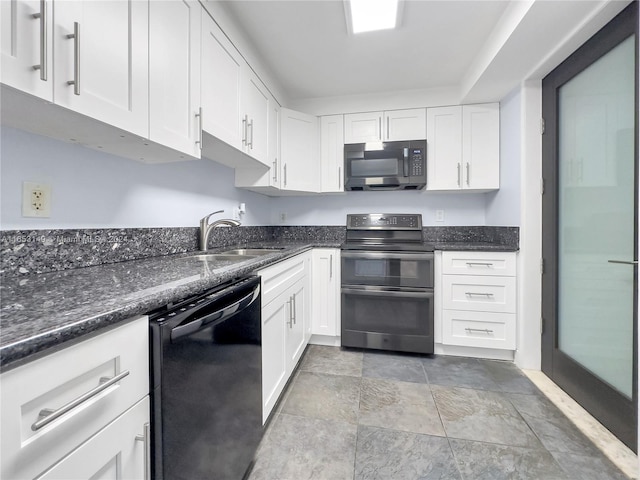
[(306, 44), (482, 48)]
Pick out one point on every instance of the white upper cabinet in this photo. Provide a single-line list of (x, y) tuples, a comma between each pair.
[(389, 126), (332, 153), (255, 106), (463, 147), (222, 68), (174, 70), (299, 150), (91, 57), (27, 43)]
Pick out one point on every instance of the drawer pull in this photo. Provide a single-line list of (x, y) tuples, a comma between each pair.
[(480, 264), (481, 330), (145, 438), (47, 415), (479, 294)]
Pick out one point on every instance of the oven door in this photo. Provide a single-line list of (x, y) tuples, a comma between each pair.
[(388, 318), (387, 269)]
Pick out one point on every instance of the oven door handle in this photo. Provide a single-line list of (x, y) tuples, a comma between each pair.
[(383, 255), (388, 292)]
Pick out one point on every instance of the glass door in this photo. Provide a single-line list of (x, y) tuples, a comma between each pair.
[(590, 226)]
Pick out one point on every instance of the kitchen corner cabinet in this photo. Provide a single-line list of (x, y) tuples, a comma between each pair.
[(463, 147), (478, 299), (104, 435), (285, 315), (174, 75), (325, 285), (300, 169), (388, 126), (332, 153), (92, 57)]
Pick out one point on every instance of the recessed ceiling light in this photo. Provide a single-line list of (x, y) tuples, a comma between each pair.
[(371, 15)]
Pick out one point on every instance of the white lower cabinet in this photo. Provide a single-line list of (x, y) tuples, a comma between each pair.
[(76, 413), (477, 300), (325, 287), (285, 324)]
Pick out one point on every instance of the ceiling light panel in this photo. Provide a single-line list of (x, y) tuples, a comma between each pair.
[(371, 15)]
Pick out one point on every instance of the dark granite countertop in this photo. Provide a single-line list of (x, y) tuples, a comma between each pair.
[(474, 246), (40, 312)]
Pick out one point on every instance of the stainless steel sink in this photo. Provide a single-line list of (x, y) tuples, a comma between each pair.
[(251, 251)]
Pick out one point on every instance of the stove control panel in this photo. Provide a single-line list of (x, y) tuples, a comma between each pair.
[(384, 221)]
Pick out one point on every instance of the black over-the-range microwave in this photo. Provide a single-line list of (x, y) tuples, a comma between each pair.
[(386, 165)]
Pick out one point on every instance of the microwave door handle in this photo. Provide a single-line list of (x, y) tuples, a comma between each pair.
[(406, 162)]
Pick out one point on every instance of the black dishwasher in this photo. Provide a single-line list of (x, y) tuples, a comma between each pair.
[(206, 384)]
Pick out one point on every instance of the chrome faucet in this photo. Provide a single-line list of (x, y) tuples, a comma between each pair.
[(206, 227)]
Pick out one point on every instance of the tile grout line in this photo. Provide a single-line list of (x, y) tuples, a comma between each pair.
[(602, 438)]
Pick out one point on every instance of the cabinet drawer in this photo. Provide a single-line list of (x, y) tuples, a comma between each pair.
[(479, 329), (58, 380), (479, 263), (278, 277), (114, 452), (487, 294)]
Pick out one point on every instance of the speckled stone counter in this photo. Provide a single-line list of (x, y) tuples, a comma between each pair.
[(40, 312)]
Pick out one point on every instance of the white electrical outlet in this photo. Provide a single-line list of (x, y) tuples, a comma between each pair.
[(439, 215), (36, 200), (283, 217)]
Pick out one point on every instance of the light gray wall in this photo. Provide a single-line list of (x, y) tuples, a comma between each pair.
[(459, 209), (91, 189), (503, 206)]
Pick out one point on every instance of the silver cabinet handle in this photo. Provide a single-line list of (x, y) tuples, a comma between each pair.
[(330, 267), (47, 415), (42, 66), (380, 128), (467, 174), (387, 128), (458, 174), (482, 330), (199, 117), (275, 170), (244, 129), (285, 174), (479, 294), (293, 308), (76, 58), (340, 178), (145, 438), (250, 125), (290, 322), (624, 262), (480, 264)]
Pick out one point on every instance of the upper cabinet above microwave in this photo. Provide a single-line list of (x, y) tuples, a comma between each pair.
[(392, 125)]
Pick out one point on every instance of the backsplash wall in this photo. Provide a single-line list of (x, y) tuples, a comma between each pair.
[(92, 189)]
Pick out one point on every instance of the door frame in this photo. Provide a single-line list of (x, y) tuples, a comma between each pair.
[(595, 395)]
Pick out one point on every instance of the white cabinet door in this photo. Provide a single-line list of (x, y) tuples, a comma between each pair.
[(332, 153), (273, 176), (325, 287), (296, 324), (481, 146), (106, 61), (444, 148), (26, 42), (255, 105), (298, 147), (117, 452), (222, 68), (275, 319), (174, 69), (363, 127), (405, 125)]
